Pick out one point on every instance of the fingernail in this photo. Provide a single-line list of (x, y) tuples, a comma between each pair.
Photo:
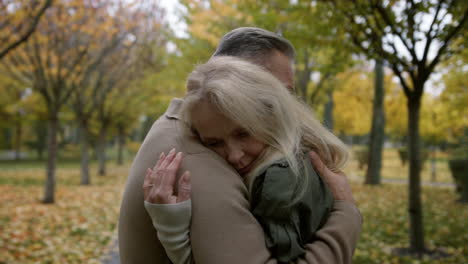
[(162, 155), (172, 151), (179, 155)]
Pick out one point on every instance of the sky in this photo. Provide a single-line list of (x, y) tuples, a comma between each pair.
[(173, 7)]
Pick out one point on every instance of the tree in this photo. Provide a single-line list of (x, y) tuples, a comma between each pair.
[(83, 101), (19, 20), (131, 29), (56, 58), (12, 109), (113, 111), (377, 134), (395, 32)]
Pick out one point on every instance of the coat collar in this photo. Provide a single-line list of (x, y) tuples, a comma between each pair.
[(173, 111)]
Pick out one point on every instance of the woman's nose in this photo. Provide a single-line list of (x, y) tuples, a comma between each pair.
[(234, 155)]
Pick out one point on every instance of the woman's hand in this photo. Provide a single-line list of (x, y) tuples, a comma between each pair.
[(160, 182), (337, 182)]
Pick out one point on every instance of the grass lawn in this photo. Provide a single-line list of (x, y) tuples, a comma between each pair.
[(80, 225), (386, 224), (76, 229), (393, 169)]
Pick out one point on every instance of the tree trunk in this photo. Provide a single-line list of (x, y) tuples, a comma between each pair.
[(328, 113), (8, 138), (415, 205), (374, 163), (102, 151), (433, 164), (40, 154), (120, 146), (18, 136), (40, 131), (83, 134), (49, 190)]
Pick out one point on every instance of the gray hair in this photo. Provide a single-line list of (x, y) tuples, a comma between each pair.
[(253, 44)]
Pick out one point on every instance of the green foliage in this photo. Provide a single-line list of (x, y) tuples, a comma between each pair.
[(459, 152), (459, 169), (353, 90)]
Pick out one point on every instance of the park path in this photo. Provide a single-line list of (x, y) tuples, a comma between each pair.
[(112, 256)]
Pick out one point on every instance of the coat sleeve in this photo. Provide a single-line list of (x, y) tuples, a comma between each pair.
[(172, 222), (138, 241)]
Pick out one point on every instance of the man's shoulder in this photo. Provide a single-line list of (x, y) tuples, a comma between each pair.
[(167, 133), (164, 124)]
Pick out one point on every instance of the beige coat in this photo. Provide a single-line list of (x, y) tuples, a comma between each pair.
[(223, 230)]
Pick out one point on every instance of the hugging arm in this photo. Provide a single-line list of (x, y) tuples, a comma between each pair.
[(170, 212), (223, 230)]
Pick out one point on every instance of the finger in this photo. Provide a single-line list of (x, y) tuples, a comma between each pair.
[(185, 187), (175, 164), (167, 160), (319, 166), (156, 177), (146, 184), (171, 170), (161, 158), (147, 179)]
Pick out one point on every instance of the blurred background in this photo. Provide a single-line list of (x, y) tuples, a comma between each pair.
[(82, 81)]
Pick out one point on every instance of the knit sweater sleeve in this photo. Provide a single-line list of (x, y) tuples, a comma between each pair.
[(172, 223)]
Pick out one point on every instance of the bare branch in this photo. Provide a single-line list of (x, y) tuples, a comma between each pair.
[(446, 42), (394, 59), (319, 87), (381, 10), (29, 32), (403, 82), (429, 36)]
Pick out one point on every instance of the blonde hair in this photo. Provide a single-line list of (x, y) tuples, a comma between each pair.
[(261, 104)]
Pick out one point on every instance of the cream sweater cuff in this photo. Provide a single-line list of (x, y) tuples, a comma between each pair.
[(172, 223)]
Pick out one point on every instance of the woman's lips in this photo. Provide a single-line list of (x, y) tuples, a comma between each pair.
[(244, 170)]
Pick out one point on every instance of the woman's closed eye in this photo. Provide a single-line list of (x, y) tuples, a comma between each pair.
[(212, 143), (243, 133)]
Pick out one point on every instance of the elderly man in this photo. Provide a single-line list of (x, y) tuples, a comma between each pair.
[(223, 230)]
